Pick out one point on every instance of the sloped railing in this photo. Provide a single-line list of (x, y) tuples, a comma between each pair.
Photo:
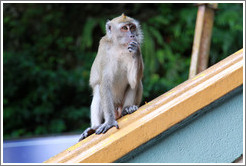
[(158, 115)]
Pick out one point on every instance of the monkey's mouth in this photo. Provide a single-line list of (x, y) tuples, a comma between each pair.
[(132, 40), (125, 44)]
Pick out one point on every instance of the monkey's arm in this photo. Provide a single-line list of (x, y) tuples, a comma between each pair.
[(135, 66), (107, 104)]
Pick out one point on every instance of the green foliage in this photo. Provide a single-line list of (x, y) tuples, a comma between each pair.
[(49, 50), (227, 32)]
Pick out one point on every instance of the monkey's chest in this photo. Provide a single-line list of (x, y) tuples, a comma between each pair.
[(119, 86)]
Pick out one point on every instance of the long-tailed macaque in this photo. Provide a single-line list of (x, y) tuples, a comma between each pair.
[(116, 75)]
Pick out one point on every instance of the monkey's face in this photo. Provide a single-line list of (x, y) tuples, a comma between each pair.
[(122, 33), (127, 32)]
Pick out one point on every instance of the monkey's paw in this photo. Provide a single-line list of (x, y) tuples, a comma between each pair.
[(106, 126), (86, 133), (133, 46), (129, 110)]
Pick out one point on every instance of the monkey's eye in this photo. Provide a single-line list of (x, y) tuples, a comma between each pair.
[(133, 28), (124, 28)]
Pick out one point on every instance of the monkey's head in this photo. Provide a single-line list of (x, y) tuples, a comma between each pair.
[(123, 30)]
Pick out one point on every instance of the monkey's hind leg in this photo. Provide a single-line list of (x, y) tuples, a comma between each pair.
[(96, 114), (129, 110), (132, 99), (86, 133)]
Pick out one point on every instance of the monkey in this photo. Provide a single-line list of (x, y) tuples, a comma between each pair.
[(116, 75)]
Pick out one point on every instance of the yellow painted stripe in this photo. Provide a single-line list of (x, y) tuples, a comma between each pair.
[(158, 115)]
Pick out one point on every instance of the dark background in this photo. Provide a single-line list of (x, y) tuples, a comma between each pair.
[(48, 51)]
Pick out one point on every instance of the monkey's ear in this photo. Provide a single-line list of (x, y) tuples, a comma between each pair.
[(109, 28)]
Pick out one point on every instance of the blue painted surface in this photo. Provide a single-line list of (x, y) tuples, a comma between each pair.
[(216, 136), (36, 150)]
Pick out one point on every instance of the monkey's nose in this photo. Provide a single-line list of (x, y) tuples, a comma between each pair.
[(132, 36)]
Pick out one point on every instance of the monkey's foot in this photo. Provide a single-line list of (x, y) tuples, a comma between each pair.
[(86, 133), (106, 126), (129, 110)]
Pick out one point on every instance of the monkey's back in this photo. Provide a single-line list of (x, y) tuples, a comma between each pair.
[(97, 64)]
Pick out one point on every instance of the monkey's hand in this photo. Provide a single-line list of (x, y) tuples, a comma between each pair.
[(129, 110), (133, 47), (106, 126), (86, 133)]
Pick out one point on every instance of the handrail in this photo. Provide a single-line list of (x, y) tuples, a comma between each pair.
[(158, 115)]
